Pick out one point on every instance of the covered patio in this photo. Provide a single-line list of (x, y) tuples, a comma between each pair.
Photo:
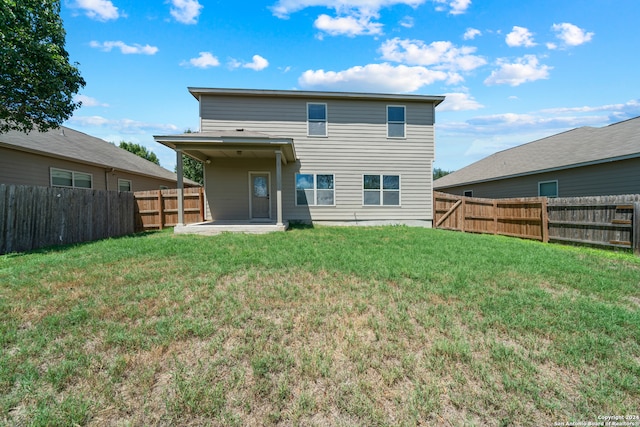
[(239, 151)]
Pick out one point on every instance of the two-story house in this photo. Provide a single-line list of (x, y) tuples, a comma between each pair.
[(276, 156)]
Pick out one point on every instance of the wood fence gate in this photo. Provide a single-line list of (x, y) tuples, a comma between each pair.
[(525, 217), (609, 221)]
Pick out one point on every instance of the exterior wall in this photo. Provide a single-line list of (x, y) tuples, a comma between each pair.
[(356, 144), (621, 177), (24, 168)]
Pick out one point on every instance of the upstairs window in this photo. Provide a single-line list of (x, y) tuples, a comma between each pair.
[(381, 190), (65, 178), (548, 189), (124, 185), (317, 119), (315, 189), (396, 121)]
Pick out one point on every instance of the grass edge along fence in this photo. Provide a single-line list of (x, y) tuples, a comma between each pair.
[(35, 217), (606, 221)]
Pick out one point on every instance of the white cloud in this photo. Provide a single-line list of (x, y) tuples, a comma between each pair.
[(101, 10), (374, 77), (471, 34), (185, 11), (520, 36), (353, 17), (455, 7), (622, 111), (459, 101), (88, 101), (442, 55), (127, 126), (525, 69), (135, 49), (407, 22), (205, 60), (348, 25), (258, 63), (571, 35), (284, 8)]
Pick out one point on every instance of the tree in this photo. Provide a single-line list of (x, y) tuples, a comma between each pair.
[(439, 173), (191, 168), (37, 82), (140, 150)]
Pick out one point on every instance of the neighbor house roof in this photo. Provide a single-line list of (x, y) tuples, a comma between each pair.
[(66, 143), (197, 91), (575, 148)]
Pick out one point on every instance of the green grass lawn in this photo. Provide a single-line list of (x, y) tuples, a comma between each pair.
[(323, 326)]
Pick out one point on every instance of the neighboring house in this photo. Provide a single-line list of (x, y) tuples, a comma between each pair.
[(279, 155), (585, 161), (67, 158)]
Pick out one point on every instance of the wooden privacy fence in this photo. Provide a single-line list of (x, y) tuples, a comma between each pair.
[(157, 209), (610, 221), (36, 217), (524, 217)]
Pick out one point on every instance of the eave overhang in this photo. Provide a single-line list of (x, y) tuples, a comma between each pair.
[(230, 144)]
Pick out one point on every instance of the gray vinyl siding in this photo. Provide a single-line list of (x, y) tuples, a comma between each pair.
[(26, 168), (621, 177), (356, 144)]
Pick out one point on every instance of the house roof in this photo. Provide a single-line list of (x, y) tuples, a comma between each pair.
[(66, 143), (197, 91), (229, 143), (575, 148)]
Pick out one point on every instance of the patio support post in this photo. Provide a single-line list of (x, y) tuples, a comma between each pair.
[(180, 188), (279, 187)]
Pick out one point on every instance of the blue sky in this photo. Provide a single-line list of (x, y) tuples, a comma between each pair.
[(512, 71)]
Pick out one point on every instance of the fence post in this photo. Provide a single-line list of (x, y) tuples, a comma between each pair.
[(636, 228), (160, 210), (201, 202), (544, 225), (495, 216), (463, 214)]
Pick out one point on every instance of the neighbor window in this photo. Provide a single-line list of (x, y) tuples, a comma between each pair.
[(65, 178), (317, 119), (381, 190), (395, 121), (315, 189), (124, 185), (548, 189), (468, 193)]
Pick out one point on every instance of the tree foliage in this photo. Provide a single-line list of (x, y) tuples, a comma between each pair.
[(439, 173), (140, 150), (37, 82), (192, 169)]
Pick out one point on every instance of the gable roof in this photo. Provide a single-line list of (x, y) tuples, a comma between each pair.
[(578, 147), (69, 144)]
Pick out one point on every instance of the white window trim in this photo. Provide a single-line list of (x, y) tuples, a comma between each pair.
[(326, 120), (73, 178), (464, 193), (404, 131), (554, 181), (120, 180), (381, 175), (315, 189)]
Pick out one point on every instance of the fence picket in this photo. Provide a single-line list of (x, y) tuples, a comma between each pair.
[(610, 221)]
